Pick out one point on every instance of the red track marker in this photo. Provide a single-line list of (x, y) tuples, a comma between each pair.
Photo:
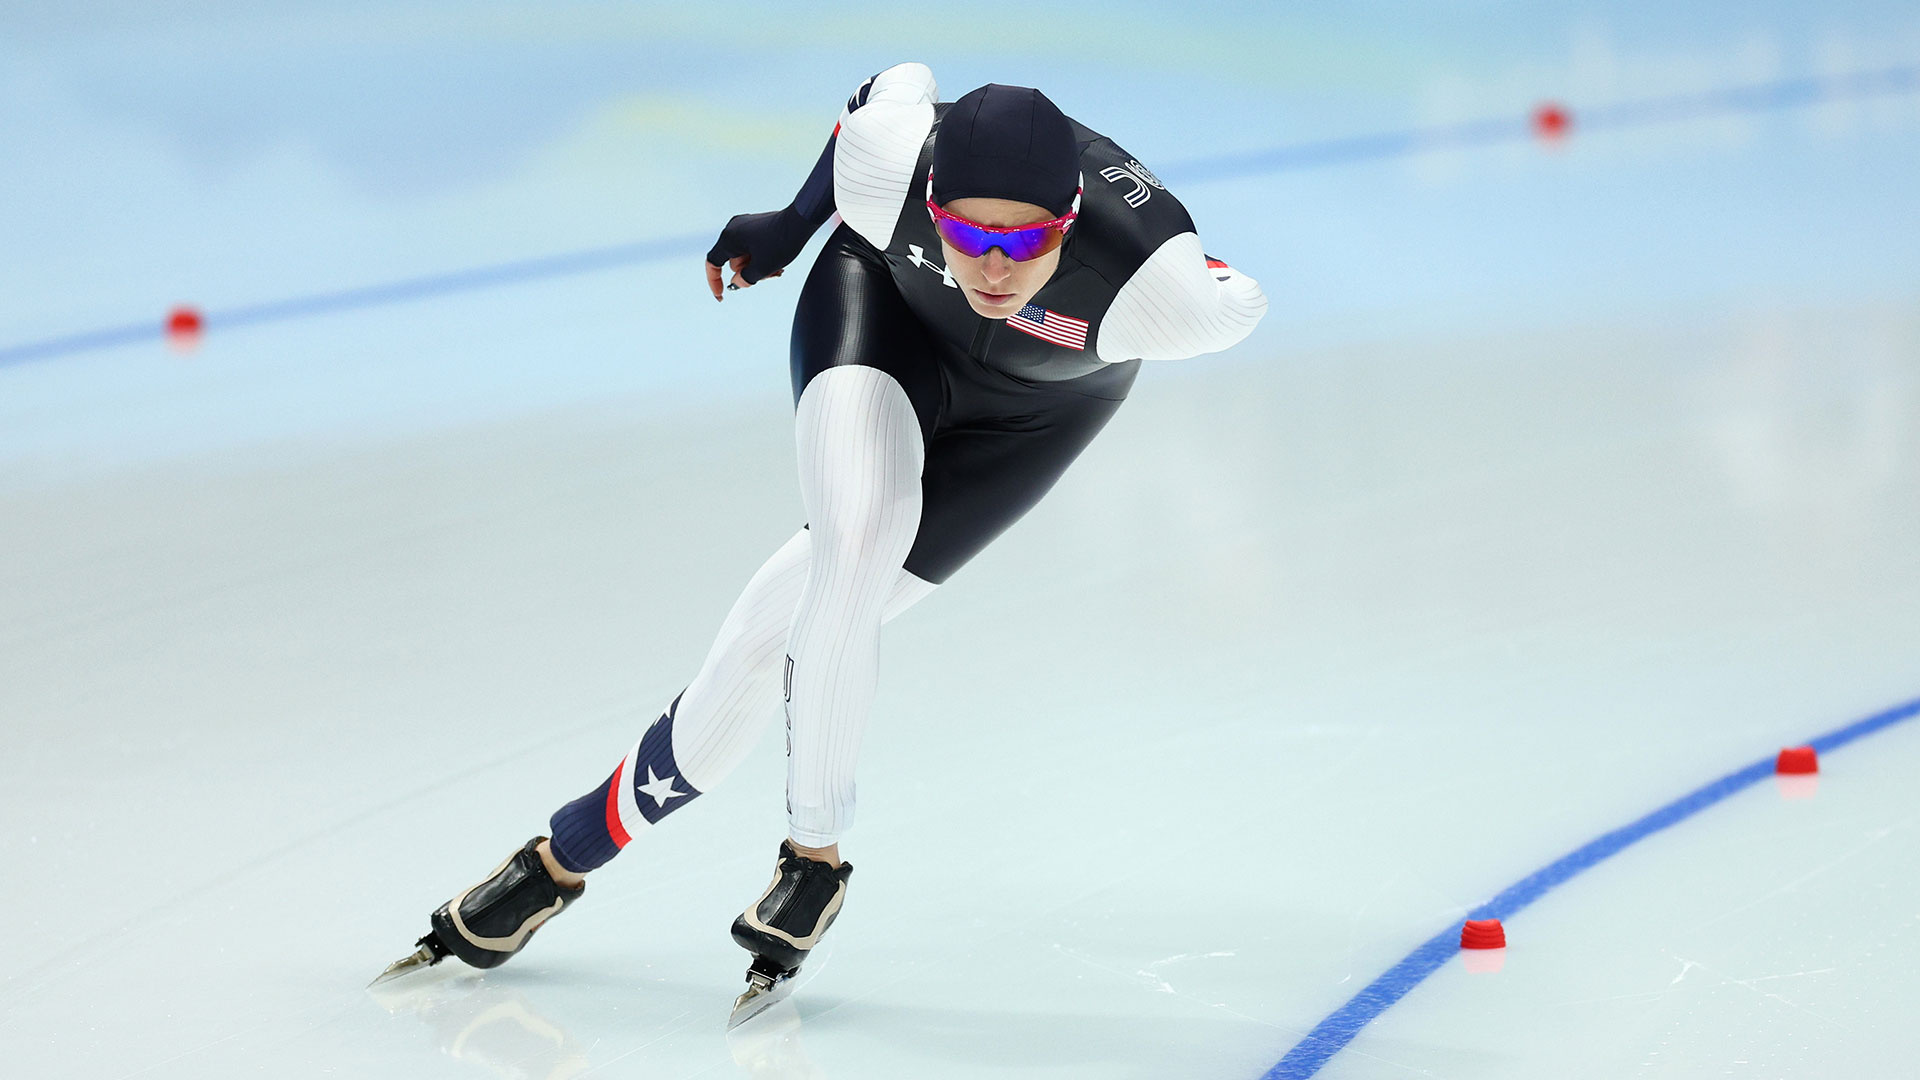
[(1483, 934), (1551, 121), (1797, 761), (184, 326)]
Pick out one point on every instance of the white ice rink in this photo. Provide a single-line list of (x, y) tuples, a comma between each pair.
[(1563, 480)]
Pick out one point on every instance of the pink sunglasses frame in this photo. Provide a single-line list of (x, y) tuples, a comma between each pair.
[(1061, 225)]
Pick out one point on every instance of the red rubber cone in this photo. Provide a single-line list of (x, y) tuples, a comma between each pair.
[(1551, 121), (1797, 761), (184, 325), (1483, 934)]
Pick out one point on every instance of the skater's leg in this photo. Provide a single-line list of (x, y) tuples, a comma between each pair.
[(860, 453), (710, 728), (725, 710)]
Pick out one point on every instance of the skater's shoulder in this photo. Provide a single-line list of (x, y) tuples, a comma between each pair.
[(1126, 211), (878, 152)]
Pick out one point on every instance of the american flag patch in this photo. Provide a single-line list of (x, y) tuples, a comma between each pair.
[(1062, 330)]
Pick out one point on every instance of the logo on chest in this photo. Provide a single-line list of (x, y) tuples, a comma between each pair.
[(917, 255)]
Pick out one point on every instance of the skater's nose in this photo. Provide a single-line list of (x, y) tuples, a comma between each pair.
[(996, 267)]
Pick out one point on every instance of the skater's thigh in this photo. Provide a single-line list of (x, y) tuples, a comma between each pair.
[(982, 477), (851, 313)]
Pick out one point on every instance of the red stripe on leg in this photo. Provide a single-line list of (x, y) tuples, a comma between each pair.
[(614, 828)]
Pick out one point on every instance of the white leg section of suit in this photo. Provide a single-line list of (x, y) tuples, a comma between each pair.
[(860, 455), (725, 709)]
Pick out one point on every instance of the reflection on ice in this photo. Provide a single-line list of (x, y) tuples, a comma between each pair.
[(487, 1025), (1483, 961), (769, 1045), (1797, 787)]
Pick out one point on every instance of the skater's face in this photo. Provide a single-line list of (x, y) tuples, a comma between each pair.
[(994, 285)]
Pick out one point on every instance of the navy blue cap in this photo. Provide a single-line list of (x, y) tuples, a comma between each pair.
[(1006, 142)]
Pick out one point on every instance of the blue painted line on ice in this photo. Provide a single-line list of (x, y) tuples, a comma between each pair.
[(395, 292), (510, 273), (1332, 1034), (83, 342), (1763, 97)]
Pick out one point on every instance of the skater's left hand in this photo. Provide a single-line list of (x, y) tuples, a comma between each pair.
[(734, 264), (755, 247)]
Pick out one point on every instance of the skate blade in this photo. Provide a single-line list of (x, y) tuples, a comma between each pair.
[(761, 994), (423, 957)]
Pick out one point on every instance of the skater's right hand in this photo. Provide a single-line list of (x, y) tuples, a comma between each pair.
[(755, 247)]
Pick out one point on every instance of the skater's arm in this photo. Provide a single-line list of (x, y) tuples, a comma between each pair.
[(876, 158), (756, 246), (1181, 302)]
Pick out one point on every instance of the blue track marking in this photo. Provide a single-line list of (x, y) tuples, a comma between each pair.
[(1778, 96), (393, 292), (1763, 97), (1327, 1038)]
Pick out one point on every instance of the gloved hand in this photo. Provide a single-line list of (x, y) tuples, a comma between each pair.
[(756, 246)]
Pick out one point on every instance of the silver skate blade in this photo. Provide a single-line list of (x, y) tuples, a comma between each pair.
[(422, 957), (761, 994)]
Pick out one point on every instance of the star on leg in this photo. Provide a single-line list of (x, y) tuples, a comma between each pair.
[(661, 788)]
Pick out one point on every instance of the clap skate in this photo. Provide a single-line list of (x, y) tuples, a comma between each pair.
[(493, 920), (784, 925)]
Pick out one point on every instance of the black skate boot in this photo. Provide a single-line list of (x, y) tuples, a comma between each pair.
[(784, 925), (493, 920)]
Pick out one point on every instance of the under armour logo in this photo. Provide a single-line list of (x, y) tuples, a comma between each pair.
[(917, 255), (1136, 174)]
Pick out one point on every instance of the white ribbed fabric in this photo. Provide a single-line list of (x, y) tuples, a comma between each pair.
[(1175, 306), (879, 143), (860, 457), (725, 709), (908, 84)]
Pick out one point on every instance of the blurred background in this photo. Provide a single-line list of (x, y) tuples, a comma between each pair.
[(1573, 466)]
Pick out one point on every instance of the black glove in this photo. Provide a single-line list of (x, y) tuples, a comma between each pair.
[(769, 241)]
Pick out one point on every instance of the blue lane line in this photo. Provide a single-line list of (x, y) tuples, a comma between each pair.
[(1764, 97), (1345, 151), (510, 273), (86, 341), (393, 292), (1330, 1035)]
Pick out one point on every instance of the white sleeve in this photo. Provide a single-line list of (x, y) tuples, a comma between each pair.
[(878, 147), (1176, 306)]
